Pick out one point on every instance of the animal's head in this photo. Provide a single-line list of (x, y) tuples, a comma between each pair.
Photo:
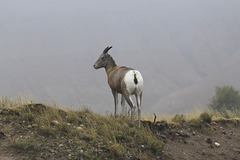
[(103, 59)]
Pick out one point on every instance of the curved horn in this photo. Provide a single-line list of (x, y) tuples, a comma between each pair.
[(107, 49)]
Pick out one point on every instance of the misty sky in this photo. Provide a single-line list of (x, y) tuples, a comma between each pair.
[(182, 48)]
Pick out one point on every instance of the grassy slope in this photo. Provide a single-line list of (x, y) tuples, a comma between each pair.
[(55, 133), (28, 130)]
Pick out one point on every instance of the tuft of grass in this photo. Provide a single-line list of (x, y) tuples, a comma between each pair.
[(27, 145), (117, 150), (195, 123), (63, 128), (179, 119), (228, 114), (47, 132), (206, 117)]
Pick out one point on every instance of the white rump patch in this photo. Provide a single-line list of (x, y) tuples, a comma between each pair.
[(133, 88)]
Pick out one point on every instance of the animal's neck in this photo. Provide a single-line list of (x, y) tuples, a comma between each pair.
[(110, 66)]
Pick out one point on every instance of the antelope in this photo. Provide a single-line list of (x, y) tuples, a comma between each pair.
[(122, 80)]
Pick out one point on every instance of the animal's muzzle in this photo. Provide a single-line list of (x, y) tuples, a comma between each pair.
[(95, 66)]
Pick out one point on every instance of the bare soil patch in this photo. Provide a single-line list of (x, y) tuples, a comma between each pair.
[(219, 140)]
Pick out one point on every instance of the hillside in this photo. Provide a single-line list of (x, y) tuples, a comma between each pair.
[(37, 131)]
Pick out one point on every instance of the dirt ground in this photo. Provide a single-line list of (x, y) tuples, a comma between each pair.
[(218, 140)]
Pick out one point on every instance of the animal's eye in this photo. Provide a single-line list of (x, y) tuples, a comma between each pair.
[(103, 58)]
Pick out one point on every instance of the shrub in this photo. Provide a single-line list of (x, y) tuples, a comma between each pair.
[(206, 117), (180, 119), (226, 98)]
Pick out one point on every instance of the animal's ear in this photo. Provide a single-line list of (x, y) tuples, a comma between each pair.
[(106, 49)]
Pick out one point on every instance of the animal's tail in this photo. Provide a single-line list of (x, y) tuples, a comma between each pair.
[(135, 78)]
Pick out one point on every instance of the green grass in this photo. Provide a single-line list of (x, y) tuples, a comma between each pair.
[(27, 145)]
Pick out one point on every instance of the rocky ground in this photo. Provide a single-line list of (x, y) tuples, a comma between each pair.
[(194, 140), (218, 140)]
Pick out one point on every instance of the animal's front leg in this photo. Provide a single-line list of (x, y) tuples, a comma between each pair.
[(115, 96)]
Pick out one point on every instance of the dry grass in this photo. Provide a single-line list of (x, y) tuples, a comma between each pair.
[(97, 135), (235, 114), (168, 117)]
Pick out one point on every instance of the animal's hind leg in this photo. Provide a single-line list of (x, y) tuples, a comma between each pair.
[(138, 99), (130, 103)]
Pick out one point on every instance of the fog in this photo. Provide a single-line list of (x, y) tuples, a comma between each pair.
[(184, 49)]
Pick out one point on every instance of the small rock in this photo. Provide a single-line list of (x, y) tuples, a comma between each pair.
[(163, 136), (29, 126), (79, 128), (51, 150), (208, 140), (34, 125), (82, 136), (60, 145), (222, 154), (214, 123), (193, 133), (1, 134), (237, 150), (185, 142), (217, 144), (55, 122), (79, 148), (184, 133)]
